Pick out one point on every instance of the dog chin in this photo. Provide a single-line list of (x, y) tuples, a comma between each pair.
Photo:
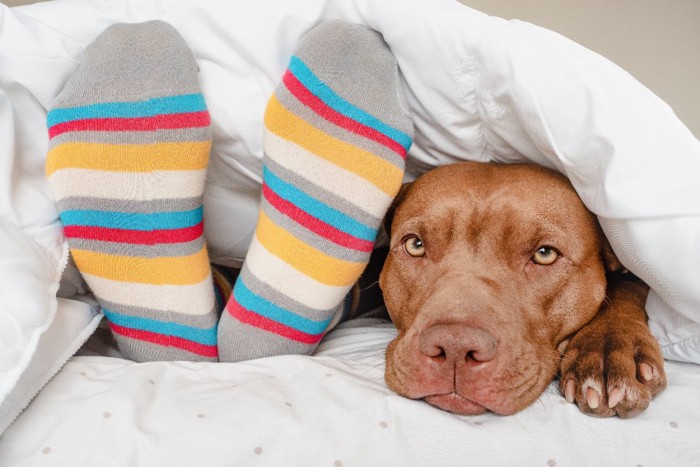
[(455, 403)]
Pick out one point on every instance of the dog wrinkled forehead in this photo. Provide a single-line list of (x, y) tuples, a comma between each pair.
[(479, 188)]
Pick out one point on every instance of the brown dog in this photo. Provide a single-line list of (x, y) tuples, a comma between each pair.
[(497, 280)]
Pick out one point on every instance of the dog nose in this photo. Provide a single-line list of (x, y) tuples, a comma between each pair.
[(457, 342)]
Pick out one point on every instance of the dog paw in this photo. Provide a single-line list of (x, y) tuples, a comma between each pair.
[(609, 373)]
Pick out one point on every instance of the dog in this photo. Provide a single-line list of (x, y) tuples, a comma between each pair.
[(498, 279)]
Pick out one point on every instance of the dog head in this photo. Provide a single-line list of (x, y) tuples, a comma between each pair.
[(491, 270)]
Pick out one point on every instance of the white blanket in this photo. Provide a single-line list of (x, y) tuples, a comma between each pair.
[(479, 88)]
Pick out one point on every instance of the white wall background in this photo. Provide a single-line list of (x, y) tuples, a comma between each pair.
[(658, 42)]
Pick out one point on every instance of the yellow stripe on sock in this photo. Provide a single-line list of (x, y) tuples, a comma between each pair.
[(304, 258), (367, 165), (129, 157), (182, 270)]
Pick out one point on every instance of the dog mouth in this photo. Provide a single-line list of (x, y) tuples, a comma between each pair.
[(455, 403), (492, 397)]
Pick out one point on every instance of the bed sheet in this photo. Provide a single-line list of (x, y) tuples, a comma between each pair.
[(329, 410)]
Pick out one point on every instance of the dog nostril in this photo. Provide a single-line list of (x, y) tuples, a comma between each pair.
[(479, 356), (442, 355), (436, 352), (484, 349)]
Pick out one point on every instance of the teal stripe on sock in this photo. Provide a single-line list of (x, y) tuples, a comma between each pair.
[(131, 220), (317, 209), (263, 307), (318, 88), (158, 106), (206, 336)]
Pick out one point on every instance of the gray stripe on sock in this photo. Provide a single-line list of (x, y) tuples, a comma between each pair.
[(312, 239), (144, 351), (130, 206), (239, 341), (135, 250), (331, 199), (288, 100), (198, 134)]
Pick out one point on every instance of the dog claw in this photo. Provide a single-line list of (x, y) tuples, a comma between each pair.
[(615, 396), (570, 391), (593, 398), (646, 371)]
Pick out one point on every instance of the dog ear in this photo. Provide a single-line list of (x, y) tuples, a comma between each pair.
[(610, 259), (398, 199)]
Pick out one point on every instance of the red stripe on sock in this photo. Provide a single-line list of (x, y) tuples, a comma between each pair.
[(157, 122), (317, 105), (246, 316), (166, 341), (317, 226), (139, 237)]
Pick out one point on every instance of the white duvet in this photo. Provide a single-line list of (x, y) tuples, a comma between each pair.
[(479, 88)]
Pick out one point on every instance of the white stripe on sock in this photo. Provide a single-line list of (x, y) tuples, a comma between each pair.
[(197, 299), (127, 185), (345, 184), (280, 276)]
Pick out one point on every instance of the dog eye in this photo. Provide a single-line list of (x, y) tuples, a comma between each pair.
[(413, 246), (545, 255)]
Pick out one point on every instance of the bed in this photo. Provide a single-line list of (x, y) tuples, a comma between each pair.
[(479, 88)]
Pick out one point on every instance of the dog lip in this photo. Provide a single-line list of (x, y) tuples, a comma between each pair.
[(455, 403)]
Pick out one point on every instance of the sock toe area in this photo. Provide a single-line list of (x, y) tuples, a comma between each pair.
[(132, 62)]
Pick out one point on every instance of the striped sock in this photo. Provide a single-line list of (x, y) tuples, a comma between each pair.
[(129, 147), (337, 132)]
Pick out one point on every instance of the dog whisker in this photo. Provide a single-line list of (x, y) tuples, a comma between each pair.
[(369, 286)]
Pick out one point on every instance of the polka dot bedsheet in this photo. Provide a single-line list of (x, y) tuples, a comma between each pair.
[(332, 409)]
